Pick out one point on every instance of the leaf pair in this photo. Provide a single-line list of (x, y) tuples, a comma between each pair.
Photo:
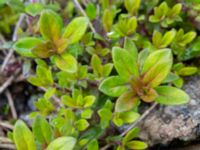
[(165, 15), (126, 26), (182, 39), (78, 101), (99, 69), (162, 41), (43, 77), (129, 142), (132, 6)]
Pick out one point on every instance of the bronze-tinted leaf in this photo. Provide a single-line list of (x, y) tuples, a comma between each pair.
[(126, 101), (44, 50)]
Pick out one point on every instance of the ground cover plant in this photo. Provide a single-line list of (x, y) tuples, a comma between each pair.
[(98, 63)]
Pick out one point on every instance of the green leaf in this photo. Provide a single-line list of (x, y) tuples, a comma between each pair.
[(156, 67), (43, 78), (113, 86), (121, 147), (44, 50), (192, 51), (81, 124), (117, 121), (2, 2), (16, 5), (66, 62), (156, 39), (126, 102), (44, 106), (50, 25), (75, 29), (89, 100), (171, 96), (124, 63), (187, 71), (178, 83), (68, 101), (187, 38), (160, 41), (49, 93), (23, 46), (130, 46), (132, 6), (86, 113), (136, 145), (162, 10), (107, 68), (134, 133), (167, 38), (93, 145), (105, 115), (160, 13), (62, 143), (42, 130), (45, 75), (176, 9), (96, 65), (155, 57), (129, 116), (23, 137), (107, 19), (91, 10), (126, 26), (170, 78), (34, 9)]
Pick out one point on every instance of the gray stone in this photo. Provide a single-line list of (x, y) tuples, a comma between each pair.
[(169, 123)]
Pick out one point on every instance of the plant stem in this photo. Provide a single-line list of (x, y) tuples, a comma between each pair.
[(6, 125), (85, 15), (144, 115), (106, 146), (8, 82), (11, 104), (14, 38)]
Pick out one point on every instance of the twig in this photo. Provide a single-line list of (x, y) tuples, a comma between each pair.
[(11, 104), (14, 38), (21, 18), (6, 125), (55, 98), (140, 119), (106, 147), (133, 125), (7, 146), (6, 83), (85, 15), (8, 56), (5, 140)]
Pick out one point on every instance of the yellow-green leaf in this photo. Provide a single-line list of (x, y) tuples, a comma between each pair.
[(50, 25), (126, 102), (113, 86), (23, 137), (75, 29), (171, 96), (66, 62), (62, 143), (23, 46)]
